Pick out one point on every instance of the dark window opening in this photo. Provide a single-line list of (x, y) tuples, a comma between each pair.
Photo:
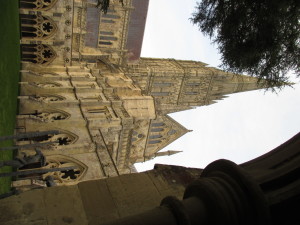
[(105, 43), (72, 174), (108, 38), (106, 32), (157, 129)]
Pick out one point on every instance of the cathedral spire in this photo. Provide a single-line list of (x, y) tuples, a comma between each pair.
[(178, 85), (165, 153)]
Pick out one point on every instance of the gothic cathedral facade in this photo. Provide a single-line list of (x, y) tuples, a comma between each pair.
[(82, 75)]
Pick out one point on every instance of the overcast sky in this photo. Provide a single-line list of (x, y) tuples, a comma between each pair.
[(240, 127)]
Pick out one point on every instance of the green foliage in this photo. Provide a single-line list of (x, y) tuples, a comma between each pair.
[(260, 38), (104, 5), (9, 77)]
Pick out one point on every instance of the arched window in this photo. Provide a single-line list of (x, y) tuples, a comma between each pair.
[(50, 115), (37, 26), (47, 98), (37, 4), (60, 139), (37, 53), (65, 176)]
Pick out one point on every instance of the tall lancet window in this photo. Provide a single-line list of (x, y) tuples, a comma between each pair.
[(37, 53), (37, 4)]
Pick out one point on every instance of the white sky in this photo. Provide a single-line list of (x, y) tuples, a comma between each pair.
[(240, 127)]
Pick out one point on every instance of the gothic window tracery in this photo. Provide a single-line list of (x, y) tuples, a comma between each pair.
[(37, 53), (157, 129), (41, 5), (65, 176), (136, 137), (155, 136), (62, 139), (48, 85), (56, 140), (47, 98), (37, 26), (50, 116)]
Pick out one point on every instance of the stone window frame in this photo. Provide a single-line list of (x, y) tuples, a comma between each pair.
[(37, 27), (38, 5)]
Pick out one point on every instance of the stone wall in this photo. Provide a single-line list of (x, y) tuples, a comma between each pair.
[(96, 201)]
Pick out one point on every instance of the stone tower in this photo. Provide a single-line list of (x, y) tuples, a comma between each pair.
[(180, 84), (82, 75)]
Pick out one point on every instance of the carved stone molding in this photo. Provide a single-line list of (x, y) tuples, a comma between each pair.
[(47, 98), (37, 27), (65, 177), (41, 5), (38, 53)]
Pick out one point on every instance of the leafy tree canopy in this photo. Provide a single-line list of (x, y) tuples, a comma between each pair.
[(104, 5), (260, 38)]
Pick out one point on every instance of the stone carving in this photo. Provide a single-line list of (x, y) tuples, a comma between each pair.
[(47, 98), (37, 27), (50, 116), (63, 138), (38, 53), (69, 176), (41, 5)]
